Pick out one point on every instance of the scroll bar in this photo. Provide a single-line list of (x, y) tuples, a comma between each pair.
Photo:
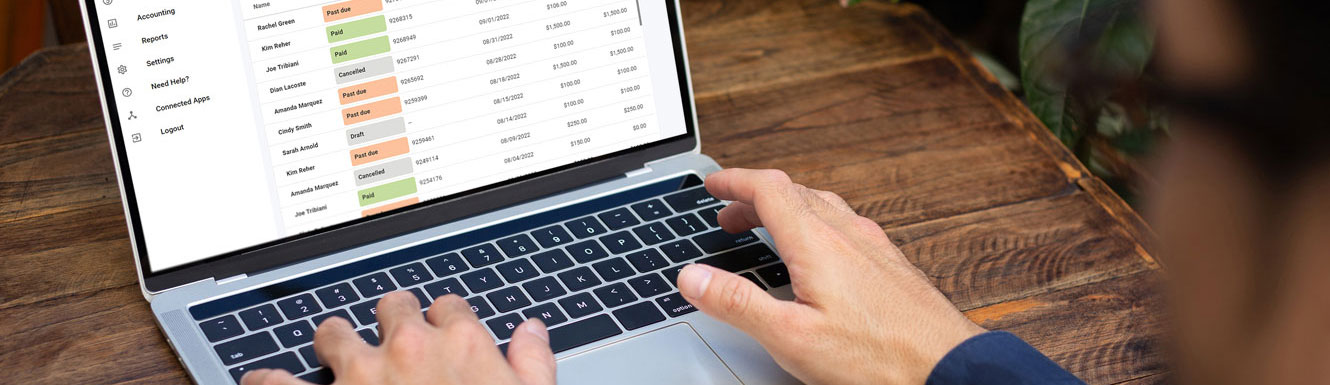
[(639, 12)]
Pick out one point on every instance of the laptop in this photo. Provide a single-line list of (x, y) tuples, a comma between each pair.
[(286, 161)]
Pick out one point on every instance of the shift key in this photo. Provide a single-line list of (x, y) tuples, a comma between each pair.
[(719, 240), (741, 259)]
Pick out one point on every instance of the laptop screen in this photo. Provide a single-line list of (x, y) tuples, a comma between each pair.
[(250, 121)]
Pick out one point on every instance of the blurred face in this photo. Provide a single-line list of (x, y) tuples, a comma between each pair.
[(1248, 267)]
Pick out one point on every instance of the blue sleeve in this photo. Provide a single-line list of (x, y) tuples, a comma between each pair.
[(997, 358)]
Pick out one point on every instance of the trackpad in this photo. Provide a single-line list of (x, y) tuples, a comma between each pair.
[(673, 355)]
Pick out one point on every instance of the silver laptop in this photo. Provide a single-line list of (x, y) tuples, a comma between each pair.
[(286, 161)]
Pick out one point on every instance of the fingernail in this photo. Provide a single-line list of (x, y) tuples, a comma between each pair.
[(693, 280), (536, 328)]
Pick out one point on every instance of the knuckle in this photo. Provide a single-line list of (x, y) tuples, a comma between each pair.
[(868, 225), (407, 340), (361, 370), (462, 329), (774, 176), (735, 299), (832, 197)]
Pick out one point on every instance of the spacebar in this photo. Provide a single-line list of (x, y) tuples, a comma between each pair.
[(583, 332)]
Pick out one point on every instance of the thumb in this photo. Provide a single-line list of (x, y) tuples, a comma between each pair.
[(733, 299), (530, 355)]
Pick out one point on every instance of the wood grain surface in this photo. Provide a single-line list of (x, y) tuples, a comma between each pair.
[(876, 102)]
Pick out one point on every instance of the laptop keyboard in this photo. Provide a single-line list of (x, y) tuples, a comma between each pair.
[(590, 271)]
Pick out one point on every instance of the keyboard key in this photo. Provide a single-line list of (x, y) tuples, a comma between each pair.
[(647, 260), (753, 278), (620, 242), (552, 261), (688, 200), (322, 376), (447, 264), (552, 236), (587, 251), (639, 315), (686, 225), (480, 307), (579, 305), (681, 250), (311, 359), (481, 281), (245, 348), (675, 305), (299, 306), (369, 336), (366, 312), (651, 210), (741, 259), (543, 289), (504, 325), (548, 313), (421, 297), (614, 295), (775, 275), (614, 269), (517, 270), (318, 319), (649, 285), (374, 285), (653, 233), (412, 274), (579, 278), (618, 218), (585, 227), (221, 328), (719, 240), (445, 287), (710, 215), (260, 317), (672, 274), (517, 245), (295, 333), (508, 299), (482, 255), (285, 361), (337, 295), (583, 332)]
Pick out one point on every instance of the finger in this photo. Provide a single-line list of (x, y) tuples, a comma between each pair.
[(738, 217), (396, 309), (450, 308), (255, 377), (270, 377), (736, 300), (776, 200), (336, 343), (530, 355)]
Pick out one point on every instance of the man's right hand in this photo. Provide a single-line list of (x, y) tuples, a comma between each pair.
[(863, 313)]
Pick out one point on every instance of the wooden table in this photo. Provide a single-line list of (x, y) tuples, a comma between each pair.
[(876, 102)]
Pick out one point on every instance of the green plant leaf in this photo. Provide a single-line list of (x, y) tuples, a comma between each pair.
[(1061, 39)]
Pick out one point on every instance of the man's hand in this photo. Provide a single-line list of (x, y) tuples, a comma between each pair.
[(447, 346), (863, 313)]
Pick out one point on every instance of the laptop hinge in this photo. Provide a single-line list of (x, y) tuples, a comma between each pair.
[(637, 172), (231, 279)]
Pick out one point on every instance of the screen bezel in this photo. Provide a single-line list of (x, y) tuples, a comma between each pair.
[(393, 223)]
